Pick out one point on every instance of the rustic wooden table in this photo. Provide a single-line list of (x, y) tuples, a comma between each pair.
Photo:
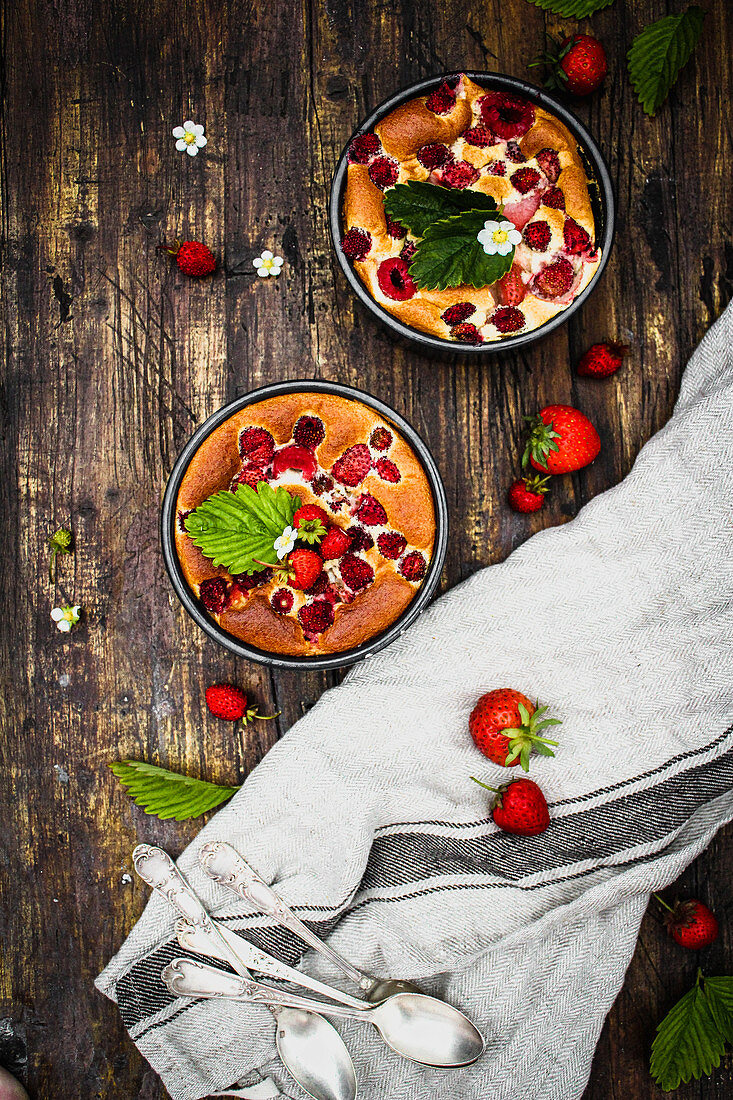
[(113, 358)]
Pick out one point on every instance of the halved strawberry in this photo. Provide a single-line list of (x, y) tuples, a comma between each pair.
[(511, 288)]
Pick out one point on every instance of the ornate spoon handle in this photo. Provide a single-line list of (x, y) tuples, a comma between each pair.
[(189, 978), (225, 865), (196, 939), (156, 867)]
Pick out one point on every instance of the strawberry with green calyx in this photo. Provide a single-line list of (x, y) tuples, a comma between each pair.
[(560, 440), (311, 523), (519, 807), (193, 258), (690, 923), (527, 494), (300, 569), (577, 64), (230, 703), (506, 727)]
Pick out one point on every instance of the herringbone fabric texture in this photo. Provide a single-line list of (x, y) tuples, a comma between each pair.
[(365, 817)]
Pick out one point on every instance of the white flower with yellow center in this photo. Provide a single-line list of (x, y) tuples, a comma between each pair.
[(267, 264), (499, 238), (284, 543), (190, 138), (65, 617)]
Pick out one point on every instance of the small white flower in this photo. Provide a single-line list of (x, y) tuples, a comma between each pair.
[(499, 238), (267, 264), (284, 543), (66, 617), (190, 138)]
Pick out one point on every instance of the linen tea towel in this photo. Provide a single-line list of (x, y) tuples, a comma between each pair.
[(365, 816)]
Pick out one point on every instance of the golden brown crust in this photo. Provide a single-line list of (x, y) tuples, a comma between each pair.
[(408, 504), (403, 133)]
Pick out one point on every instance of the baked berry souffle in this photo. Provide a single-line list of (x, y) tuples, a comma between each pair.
[(305, 524), (467, 215)]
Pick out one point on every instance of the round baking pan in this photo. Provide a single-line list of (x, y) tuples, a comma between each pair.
[(599, 186), (332, 660)]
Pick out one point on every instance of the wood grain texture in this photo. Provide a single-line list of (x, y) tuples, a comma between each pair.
[(112, 358)]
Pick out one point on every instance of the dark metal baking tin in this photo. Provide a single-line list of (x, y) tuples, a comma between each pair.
[(336, 660), (601, 196)]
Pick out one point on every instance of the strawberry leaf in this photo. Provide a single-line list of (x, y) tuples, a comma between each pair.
[(238, 530), (689, 1041), (572, 9), (659, 52), (418, 204), (167, 794), (450, 253)]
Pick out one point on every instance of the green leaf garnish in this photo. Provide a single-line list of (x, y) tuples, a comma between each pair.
[(450, 253), (418, 204), (691, 1038), (167, 794), (659, 52), (572, 9), (238, 530), (59, 543)]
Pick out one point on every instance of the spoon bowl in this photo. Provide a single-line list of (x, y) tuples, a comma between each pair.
[(315, 1055), (434, 1033)]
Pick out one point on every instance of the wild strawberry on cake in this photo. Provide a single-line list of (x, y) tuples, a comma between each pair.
[(305, 524), (467, 214)]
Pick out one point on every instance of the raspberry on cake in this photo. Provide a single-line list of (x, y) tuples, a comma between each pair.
[(356, 481), (463, 137)]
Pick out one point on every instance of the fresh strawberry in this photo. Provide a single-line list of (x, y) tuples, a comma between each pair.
[(600, 360), (294, 457), (578, 65), (305, 566), (353, 465), (690, 923), (230, 703), (511, 288), (335, 544), (561, 440), (311, 522), (192, 257), (506, 727), (519, 807), (528, 494)]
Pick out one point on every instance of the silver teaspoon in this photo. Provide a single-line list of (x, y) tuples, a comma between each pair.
[(310, 1048), (421, 1028), (224, 864)]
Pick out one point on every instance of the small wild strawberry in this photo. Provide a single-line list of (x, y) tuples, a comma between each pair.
[(601, 360), (230, 703), (690, 923), (527, 494), (193, 258)]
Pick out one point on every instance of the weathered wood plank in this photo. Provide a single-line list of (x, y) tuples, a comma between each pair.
[(97, 404)]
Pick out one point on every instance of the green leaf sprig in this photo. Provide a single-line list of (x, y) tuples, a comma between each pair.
[(691, 1038), (572, 9), (238, 530), (448, 221), (60, 542), (659, 52), (169, 795)]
